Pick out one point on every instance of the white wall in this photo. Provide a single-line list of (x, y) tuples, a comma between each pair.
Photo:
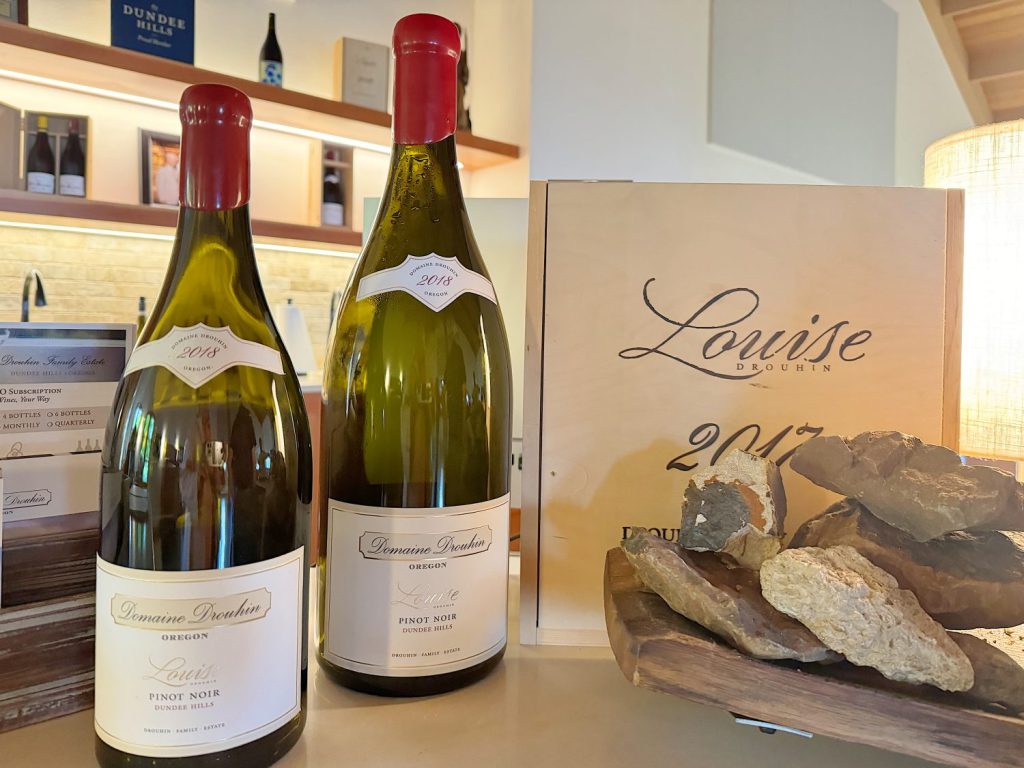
[(499, 91), (771, 59), (928, 102), (620, 91)]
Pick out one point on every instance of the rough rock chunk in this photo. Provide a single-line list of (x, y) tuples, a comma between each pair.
[(998, 678), (737, 508), (922, 489), (726, 601), (963, 580), (859, 610)]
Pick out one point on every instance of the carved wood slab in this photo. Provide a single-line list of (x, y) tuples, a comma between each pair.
[(660, 650)]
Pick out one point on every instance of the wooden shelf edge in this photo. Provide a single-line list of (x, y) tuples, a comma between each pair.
[(167, 69), (16, 201)]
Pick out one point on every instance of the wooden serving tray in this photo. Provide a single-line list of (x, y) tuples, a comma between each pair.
[(658, 649)]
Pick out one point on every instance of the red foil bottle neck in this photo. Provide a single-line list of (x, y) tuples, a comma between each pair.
[(427, 50), (215, 122)]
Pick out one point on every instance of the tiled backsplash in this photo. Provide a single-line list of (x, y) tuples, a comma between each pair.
[(94, 278)]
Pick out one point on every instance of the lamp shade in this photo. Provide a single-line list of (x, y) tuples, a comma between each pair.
[(988, 163), (291, 324)]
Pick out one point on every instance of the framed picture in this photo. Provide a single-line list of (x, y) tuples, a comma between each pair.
[(161, 154), (14, 10)]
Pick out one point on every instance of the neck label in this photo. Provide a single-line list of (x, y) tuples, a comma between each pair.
[(199, 353), (435, 280)]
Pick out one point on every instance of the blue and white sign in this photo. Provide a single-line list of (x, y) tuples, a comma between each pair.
[(162, 28)]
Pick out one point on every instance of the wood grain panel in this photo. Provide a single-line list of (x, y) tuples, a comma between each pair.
[(16, 201), (46, 660), (35, 52)]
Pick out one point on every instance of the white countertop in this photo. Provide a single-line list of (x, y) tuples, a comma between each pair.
[(542, 707), (311, 382)]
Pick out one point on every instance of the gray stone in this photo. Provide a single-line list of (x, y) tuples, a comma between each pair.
[(922, 489), (726, 601), (736, 508), (963, 580)]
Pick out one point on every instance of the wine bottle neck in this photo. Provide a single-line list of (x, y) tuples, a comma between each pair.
[(213, 254), (423, 184)]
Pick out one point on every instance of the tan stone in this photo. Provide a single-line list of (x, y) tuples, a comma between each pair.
[(963, 580), (858, 610), (726, 601)]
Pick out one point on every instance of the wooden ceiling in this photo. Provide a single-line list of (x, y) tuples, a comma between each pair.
[(983, 41)]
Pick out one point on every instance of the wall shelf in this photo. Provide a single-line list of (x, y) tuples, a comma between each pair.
[(16, 201), (57, 57)]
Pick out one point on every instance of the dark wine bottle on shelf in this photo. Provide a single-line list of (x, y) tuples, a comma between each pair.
[(205, 493), (72, 163), (332, 206), (413, 561), (140, 319), (271, 63), (40, 168)]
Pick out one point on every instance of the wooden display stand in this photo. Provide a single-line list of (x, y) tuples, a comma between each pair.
[(660, 650)]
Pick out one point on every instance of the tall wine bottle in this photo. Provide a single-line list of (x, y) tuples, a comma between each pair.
[(332, 205), (413, 560), (40, 167), (271, 62), (72, 163), (141, 316), (201, 577)]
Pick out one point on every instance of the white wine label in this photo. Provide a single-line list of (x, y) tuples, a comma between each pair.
[(435, 280), (72, 185), (195, 662), (271, 73), (199, 353), (39, 182), (332, 214), (415, 591)]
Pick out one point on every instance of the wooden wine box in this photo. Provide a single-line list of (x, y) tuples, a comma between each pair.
[(47, 651), (670, 323)]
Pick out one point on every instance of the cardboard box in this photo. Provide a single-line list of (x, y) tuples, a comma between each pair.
[(362, 73), (670, 323), (57, 386)]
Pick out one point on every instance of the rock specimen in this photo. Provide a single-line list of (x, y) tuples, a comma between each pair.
[(962, 580), (921, 489), (998, 679), (726, 601), (859, 610), (737, 508)]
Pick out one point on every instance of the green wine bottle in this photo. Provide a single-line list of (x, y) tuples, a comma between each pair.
[(413, 556), (207, 479)]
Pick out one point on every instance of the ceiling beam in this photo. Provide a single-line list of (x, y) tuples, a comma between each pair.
[(956, 7), (1014, 113), (948, 37), (994, 64)]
